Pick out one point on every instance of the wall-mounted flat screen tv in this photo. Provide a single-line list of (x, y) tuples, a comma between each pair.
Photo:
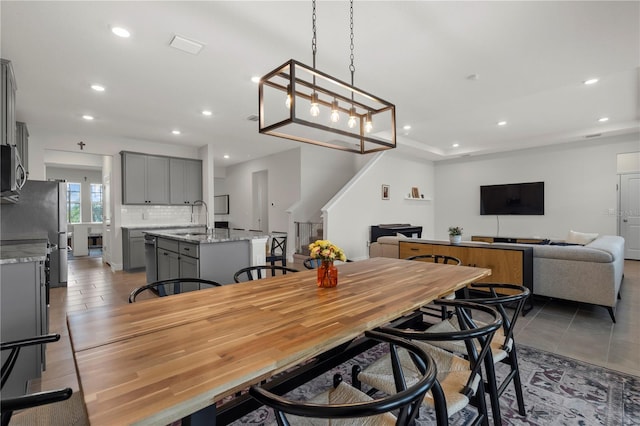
[(512, 198)]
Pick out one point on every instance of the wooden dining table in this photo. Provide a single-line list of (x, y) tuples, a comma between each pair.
[(159, 360)]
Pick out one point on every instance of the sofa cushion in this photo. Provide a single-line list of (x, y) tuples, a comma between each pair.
[(388, 239), (581, 237)]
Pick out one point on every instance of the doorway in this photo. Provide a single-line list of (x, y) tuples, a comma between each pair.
[(629, 214), (260, 206)]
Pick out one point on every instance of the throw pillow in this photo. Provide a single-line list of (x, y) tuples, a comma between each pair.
[(581, 237)]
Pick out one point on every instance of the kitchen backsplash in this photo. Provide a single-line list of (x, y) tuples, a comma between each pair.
[(160, 215)]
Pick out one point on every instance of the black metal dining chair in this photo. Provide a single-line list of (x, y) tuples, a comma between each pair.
[(431, 310), (460, 376), (56, 407), (278, 250), (172, 286), (508, 300), (355, 407), (258, 272)]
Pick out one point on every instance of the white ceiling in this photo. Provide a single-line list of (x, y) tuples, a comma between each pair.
[(531, 59)]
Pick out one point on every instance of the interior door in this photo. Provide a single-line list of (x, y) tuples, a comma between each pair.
[(629, 214), (260, 201)]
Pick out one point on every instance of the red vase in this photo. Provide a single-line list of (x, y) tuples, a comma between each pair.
[(327, 275)]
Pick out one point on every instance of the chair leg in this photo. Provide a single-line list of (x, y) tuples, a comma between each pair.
[(492, 388), (517, 383), (355, 382)]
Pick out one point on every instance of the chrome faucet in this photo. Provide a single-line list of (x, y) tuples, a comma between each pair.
[(206, 208)]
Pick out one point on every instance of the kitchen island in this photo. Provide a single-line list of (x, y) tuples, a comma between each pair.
[(214, 255)]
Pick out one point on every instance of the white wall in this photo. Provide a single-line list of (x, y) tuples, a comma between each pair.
[(351, 212), (323, 173), (85, 178), (283, 189), (580, 189)]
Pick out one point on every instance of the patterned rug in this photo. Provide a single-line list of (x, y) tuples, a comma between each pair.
[(557, 391)]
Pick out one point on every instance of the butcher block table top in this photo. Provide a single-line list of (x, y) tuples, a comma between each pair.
[(159, 360)]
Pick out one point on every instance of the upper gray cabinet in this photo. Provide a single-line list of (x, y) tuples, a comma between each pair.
[(185, 180), (145, 179), (8, 104)]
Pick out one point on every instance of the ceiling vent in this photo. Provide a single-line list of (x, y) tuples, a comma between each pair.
[(595, 135), (252, 117), (186, 45)]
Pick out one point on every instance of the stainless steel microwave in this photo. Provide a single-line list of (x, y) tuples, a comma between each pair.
[(13, 174)]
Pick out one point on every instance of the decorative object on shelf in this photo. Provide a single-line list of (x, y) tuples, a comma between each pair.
[(455, 234), (327, 252), (385, 192), (304, 104), (415, 192)]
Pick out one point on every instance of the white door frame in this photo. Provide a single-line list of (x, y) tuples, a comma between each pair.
[(629, 213)]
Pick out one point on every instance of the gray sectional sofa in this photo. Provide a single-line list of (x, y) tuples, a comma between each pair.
[(590, 273)]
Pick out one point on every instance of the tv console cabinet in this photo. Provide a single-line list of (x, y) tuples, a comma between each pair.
[(517, 240), (508, 264)]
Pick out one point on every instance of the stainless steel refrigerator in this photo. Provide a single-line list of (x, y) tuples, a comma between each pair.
[(40, 213)]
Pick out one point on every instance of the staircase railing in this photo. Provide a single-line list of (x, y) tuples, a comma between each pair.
[(306, 233)]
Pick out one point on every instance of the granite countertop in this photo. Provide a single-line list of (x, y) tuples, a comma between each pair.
[(215, 235), (23, 251), (166, 226)]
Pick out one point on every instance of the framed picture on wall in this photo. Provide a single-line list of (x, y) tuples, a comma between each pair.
[(385, 192)]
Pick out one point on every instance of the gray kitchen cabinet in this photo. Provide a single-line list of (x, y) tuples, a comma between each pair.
[(185, 180), (22, 144), (23, 315), (8, 104), (177, 259), (145, 179), (132, 249), (168, 264), (189, 267), (167, 259)]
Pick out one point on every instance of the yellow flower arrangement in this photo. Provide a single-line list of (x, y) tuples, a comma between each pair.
[(323, 249)]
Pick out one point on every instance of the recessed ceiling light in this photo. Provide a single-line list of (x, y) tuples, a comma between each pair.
[(97, 87), (88, 117), (455, 145), (226, 156), (255, 79), (590, 81), (502, 123), (603, 119), (120, 32), (175, 132), (407, 127), (206, 112)]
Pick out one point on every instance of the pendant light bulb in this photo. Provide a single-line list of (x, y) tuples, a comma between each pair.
[(352, 118), (288, 101), (335, 114), (315, 108), (368, 124)]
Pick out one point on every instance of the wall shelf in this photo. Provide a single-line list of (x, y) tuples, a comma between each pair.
[(417, 199)]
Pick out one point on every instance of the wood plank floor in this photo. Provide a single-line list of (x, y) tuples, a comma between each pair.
[(574, 330)]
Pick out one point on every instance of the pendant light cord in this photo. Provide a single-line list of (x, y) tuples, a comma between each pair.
[(352, 67), (314, 40)]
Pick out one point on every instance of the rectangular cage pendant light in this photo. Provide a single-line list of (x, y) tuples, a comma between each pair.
[(303, 104)]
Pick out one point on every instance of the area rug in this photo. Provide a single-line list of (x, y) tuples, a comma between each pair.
[(558, 391)]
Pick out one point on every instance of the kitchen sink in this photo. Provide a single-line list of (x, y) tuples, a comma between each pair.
[(187, 234)]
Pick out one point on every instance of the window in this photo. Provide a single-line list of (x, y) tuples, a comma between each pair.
[(73, 203), (96, 202)]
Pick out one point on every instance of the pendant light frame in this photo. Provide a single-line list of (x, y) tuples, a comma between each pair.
[(327, 88), (303, 83)]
